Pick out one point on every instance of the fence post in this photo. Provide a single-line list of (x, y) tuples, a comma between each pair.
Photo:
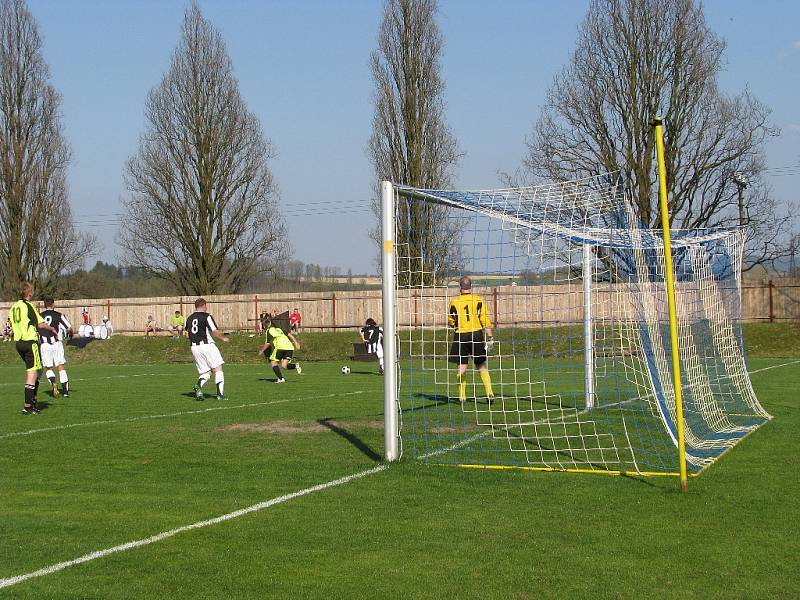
[(771, 309), (333, 310), (257, 314), (108, 309)]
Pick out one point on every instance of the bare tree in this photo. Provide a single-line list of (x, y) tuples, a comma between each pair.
[(203, 211), (38, 240), (410, 143), (638, 59)]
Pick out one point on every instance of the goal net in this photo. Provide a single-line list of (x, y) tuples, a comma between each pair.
[(573, 289)]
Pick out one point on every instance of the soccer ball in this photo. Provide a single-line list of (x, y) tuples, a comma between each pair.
[(345, 370)]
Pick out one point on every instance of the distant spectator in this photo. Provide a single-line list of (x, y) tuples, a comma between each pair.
[(87, 320), (109, 326), (177, 324), (294, 320), (8, 333), (262, 321), (150, 328)]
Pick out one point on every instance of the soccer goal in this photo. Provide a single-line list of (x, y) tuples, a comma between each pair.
[(575, 291)]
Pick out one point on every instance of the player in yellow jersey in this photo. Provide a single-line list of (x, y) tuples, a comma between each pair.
[(283, 345), (469, 316), (26, 323)]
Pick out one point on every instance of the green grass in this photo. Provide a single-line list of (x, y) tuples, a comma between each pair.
[(409, 531)]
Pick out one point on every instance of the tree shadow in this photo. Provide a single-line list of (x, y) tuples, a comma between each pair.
[(352, 438)]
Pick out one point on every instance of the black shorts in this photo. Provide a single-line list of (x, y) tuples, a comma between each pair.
[(281, 354), (29, 352), (468, 344)]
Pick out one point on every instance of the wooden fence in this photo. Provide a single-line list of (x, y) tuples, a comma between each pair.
[(770, 301)]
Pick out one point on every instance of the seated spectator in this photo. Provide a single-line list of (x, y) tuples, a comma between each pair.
[(177, 324), (294, 320), (150, 328), (8, 333)]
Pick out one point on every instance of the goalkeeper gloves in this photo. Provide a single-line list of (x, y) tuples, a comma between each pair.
[(489, 343)]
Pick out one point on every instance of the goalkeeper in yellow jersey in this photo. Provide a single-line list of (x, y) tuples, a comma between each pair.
[(470, 318)]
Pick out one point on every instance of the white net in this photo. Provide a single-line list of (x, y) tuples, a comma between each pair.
[(580, 371)]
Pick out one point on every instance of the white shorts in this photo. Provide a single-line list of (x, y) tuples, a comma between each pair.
[(206, 357), (52, 354)]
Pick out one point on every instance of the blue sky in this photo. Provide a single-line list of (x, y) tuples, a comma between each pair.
[(303, 69)]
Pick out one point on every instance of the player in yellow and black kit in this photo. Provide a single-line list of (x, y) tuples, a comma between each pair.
[(26, 323), (469, 316), (283, 345)]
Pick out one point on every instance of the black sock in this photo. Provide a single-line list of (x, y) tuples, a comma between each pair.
[(65, 387), (30, 394), (52, 380), (277, 370), (291, 365)]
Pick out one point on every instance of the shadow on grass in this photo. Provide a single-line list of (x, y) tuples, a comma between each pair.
[(352, 438)]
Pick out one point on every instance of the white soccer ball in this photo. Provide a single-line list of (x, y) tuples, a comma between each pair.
[(345, 370)]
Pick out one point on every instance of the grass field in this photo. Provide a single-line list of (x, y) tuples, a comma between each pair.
[(130, 455)]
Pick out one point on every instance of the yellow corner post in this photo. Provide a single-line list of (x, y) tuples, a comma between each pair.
[(669, 274)]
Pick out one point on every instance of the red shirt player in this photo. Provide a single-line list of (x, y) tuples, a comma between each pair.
[(294, 320)]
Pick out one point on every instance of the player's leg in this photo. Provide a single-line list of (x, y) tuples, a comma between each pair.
[(479, 357), (457, 357), (63, 379), (379, 353), (37, 362), (203, 371), (219, 381), (215, 362), (26, 353), (201, 381), (48, 362), (274, 362)]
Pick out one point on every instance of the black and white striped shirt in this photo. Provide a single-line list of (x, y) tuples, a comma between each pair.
[(57, 321), (199, 326), (373, 335)]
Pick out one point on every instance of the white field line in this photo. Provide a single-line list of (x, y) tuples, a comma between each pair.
[(9, 581), (794, 362), (175, 414), (108, 377)]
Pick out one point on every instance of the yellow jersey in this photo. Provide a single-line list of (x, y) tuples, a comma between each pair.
[(25, 321), (468, 313)]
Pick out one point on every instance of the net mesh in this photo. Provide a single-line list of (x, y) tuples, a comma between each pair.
[(581, 365)]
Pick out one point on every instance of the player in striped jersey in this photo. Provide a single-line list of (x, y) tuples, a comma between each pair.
[(202, 330), (470, 318), (26, 323), (372, 335), (52, 348)]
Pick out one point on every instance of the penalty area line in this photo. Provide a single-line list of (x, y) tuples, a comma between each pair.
[(90, 379), (794, 362), (175, 414), (10, 581)]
